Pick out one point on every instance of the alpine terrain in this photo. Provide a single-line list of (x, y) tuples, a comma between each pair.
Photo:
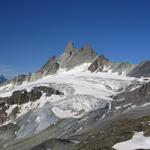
[(77, 101), (2, 79)]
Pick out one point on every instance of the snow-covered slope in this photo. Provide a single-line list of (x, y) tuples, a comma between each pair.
[(83, 91)]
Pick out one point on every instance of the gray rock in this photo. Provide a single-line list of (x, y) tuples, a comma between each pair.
[(122, 67), (75, 57), (139, 96), (50, 67), (70, 47), (22, 97), (141, 70), (99, 64), (55, 144)]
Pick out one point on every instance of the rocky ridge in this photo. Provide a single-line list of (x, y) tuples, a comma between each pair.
[(73, 57), (141, 70)]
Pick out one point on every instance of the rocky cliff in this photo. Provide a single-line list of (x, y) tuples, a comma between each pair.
[(141, 70)]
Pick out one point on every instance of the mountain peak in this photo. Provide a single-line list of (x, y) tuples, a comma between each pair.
[(2, 79), (87, 46), (88, 50), (103, 57), (69, 46), (1, 76)]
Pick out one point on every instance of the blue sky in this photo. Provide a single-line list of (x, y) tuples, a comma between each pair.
[(31, 31)]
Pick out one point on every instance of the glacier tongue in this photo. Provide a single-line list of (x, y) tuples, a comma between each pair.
[(35, 121)]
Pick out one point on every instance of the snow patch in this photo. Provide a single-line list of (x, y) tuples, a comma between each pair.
[(9, 111), (138, 141)]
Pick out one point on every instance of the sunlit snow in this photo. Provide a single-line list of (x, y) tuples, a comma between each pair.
[(138, 141)]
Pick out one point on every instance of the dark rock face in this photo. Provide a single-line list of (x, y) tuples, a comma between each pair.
[(2, 79), (22, 97), (19, 79), (49, 91), (99, 64), (138, 96), (141, 70), (3, 116), (14, 112), (50, 67)]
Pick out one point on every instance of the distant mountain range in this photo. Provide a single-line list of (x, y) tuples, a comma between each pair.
[(2, 79), (73, 57)]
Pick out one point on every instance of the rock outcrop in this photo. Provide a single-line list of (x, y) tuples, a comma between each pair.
[(141, 70), (50, 67), (74, 57), (102, 64), (122, 67), (99, 64), (139, 96), (21, 97)]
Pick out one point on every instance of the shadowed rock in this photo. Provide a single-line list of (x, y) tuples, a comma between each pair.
[(99, 64), (50, 67), (138, 96), (141, 70), (21, 97), (2, 79)]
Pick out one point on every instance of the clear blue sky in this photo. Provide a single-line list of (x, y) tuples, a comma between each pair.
[(33, 30)]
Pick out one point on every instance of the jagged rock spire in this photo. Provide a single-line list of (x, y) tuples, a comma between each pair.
[(69, 47), (102, 57), (87, 46), (88, 49)]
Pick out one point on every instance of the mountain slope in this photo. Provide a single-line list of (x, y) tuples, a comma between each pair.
[(75, 101), (71, 58), (87, 98), (2, 79), (141, 70)]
